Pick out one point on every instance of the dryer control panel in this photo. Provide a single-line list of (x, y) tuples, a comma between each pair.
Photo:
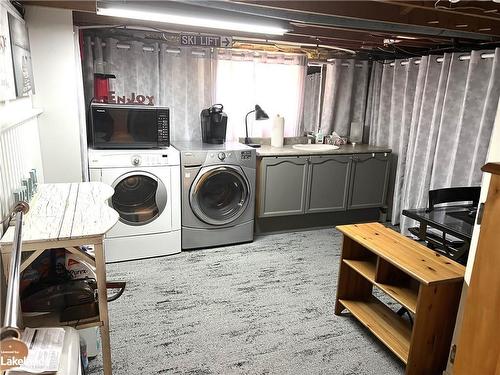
[(133, 158)]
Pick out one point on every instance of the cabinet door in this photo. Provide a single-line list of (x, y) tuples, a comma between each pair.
[(282, 187), (328, 184), (369, 180)]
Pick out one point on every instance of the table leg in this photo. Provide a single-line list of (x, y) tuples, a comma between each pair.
[(103, 307), (422, 231), (462, 253)]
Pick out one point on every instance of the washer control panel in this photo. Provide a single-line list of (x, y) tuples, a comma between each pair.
[(217, 157)]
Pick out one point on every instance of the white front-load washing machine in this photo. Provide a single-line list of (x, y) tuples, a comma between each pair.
[(218, 193), (147, 198)]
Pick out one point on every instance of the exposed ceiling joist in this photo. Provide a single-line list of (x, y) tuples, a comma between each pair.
[(387, 28), (366, 15), (480, 9), (79, 5)]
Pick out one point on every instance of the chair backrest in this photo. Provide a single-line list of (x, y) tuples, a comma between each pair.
[(455, 194)]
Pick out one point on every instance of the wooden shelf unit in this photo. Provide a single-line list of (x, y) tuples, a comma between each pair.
[(424, 282)]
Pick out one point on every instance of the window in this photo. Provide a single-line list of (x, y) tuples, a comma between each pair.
[(275, 82)]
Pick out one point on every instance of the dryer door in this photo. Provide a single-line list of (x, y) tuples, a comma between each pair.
[(219, 194), (139, 198)]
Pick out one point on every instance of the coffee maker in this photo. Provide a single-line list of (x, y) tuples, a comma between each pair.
[(213, 124)]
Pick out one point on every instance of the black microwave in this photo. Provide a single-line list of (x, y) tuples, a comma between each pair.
[(115, 126)]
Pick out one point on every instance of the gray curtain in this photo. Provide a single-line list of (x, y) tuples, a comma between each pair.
[(181, 79), (344, 98), (444, 141), (312, 88), (388, 119), (186, 86)]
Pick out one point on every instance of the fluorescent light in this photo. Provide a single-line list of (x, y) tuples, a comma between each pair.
[(337, 48), (190, 20), (406, 37)]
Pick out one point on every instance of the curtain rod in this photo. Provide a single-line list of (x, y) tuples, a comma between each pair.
[(440, 59), (316, 63)]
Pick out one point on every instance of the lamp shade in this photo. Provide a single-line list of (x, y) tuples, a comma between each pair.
[(260, 114)]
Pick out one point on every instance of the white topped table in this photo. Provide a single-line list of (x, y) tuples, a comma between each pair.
[(69, 216)]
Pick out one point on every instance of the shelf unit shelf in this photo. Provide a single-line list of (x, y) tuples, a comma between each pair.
[(365, 268), (53, 320), (388, 327), (406, 296), (428, 285)]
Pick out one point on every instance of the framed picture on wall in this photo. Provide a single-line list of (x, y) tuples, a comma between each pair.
[(21, 56), (7, 85)]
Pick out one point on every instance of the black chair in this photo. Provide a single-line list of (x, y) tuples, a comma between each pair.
[(436, 239), (456, 194)]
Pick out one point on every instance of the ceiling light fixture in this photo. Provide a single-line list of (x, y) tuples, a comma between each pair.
[(186, 17), (406, 37)]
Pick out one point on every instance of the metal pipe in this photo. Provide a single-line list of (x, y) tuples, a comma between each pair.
[(12, 302)]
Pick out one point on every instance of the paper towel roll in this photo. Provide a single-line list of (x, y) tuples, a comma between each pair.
[(278, 130)]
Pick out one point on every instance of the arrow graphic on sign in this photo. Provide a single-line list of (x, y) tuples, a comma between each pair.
[(226, 41)]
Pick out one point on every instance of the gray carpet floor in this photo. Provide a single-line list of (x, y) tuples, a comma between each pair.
[(259, 308)]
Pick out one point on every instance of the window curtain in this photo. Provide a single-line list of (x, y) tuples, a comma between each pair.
[(312, 94), (344, 98), (444, 141), (187, 79), (179, 78), (388, 119), (275, 81)]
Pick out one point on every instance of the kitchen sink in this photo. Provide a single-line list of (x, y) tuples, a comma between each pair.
[(315, 147)]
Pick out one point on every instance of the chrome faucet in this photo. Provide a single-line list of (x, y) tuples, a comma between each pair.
[(310, 136)]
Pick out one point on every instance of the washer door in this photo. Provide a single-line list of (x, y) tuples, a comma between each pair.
[(139, 198), (219, 194)]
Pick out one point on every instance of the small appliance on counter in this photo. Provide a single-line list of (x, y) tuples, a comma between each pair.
[(126, 126), (101, 86), (213, 124)]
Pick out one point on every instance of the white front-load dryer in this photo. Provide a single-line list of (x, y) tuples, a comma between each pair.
[(147, 198)]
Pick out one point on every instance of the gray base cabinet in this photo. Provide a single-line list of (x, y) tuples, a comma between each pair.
[(282, 186), (322, 183), (328, 183), (369, 181)]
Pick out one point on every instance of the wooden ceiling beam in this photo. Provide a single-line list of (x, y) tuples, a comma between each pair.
[(482, 9), (82, 6), (363, 37), (391, 12)]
